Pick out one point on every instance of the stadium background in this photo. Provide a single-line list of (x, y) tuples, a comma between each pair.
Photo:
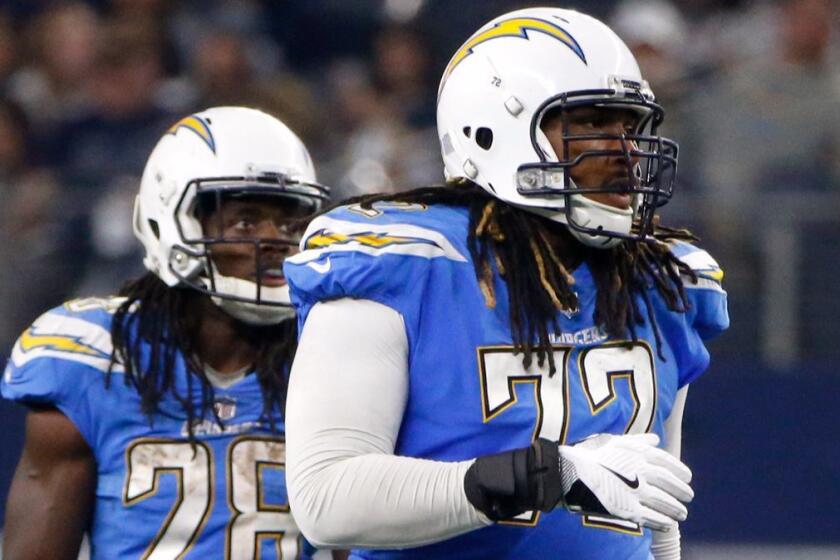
[(751, 91)]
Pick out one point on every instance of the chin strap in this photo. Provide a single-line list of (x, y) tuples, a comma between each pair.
[(277, 306), (585, 212)]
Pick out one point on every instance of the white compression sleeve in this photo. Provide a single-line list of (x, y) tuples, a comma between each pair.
[(673, 424), (346, 399), (666, 546)]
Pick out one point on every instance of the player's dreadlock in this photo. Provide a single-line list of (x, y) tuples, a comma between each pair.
[(534, 255), (166, 321)]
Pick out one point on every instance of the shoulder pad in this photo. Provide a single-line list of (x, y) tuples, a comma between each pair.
[(78, 331), (376, 254), (709, 273), (57, 358), (708, 315), (411, 230)]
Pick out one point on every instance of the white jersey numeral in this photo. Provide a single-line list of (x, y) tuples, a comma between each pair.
[(600, 367), (147, 461), (253, 520), (501, 372)]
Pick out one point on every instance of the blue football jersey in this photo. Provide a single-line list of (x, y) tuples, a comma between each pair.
[(469, 394), (158, 496)]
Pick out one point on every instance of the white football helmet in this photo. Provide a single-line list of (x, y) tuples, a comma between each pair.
[(221, 152), (502, 82)]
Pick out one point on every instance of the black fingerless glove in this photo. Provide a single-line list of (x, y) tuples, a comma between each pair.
[(506, 484)]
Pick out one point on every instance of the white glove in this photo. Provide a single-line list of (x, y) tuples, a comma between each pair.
[(626, 477)]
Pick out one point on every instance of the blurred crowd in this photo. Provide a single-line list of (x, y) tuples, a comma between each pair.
[(751, 91)]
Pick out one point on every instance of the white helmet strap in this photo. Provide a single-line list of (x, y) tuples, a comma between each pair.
[(587, 213), (275, 309)]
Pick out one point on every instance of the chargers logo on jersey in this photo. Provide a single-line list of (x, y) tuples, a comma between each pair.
[(198, 126), (30, 340), (516, 27), (57, 334), (709, 273), (326, 238), (715, 274)]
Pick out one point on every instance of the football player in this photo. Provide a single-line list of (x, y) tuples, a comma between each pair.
[(498, 368), (155, 417)]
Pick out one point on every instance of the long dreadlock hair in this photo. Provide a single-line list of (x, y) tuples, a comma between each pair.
[(534, 256), (166, 321)]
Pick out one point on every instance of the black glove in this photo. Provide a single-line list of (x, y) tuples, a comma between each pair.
[(506, 484)]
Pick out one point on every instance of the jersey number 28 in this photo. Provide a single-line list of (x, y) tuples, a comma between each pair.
[(252, 520)]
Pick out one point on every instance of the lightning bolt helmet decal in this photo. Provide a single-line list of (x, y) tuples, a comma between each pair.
[(198, 126), (515, 27)]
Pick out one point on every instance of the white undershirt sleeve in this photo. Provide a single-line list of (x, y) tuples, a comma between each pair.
[(666, 546), (347, 395)]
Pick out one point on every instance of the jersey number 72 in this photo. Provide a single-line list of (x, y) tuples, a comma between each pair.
[(599, 367)]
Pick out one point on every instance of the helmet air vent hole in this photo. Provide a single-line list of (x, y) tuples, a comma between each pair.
[(467, 131), (484, 137), (153, 225)]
